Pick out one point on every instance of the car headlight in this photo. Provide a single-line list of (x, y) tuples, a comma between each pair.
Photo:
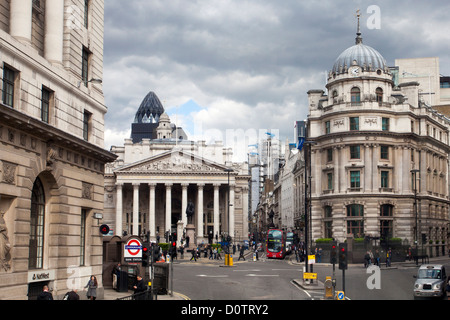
[(437, 286), (417, 286)]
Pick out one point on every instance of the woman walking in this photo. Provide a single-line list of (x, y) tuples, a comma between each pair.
[(92, 288)]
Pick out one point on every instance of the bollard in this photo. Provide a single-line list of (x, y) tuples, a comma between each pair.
[(328, 288), (230, 260)]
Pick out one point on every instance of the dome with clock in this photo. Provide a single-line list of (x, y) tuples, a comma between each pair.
[(360, 55)]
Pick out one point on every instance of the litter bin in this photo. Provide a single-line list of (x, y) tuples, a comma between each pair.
[(122, 282), (161, 278)]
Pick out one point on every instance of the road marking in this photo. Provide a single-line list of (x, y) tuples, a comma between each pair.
[(248, 270), (262, 275), (208, 276)]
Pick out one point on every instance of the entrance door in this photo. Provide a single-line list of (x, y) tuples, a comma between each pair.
[(35, 288)]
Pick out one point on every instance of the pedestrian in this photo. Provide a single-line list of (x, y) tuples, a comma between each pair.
[(92, 288), (194, 255), (256, 252), (377, 258), (241, 253), (234, 249), (182, 251), (45, 294), (72, 295), (219, 257), (115, 275), (388, 258), (211, 256), (366, 259), (319, 255), (139, 287)]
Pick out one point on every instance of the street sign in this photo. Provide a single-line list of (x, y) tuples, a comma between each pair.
[(311, 259), (340, 295), (133, 251), (309, 275)]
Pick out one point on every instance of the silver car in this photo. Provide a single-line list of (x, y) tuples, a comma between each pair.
[(431, 281)]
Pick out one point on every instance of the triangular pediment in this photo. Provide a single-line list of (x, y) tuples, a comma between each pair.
[(175, 161)]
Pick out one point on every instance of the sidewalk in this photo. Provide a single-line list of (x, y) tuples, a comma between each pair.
[(111, 294)]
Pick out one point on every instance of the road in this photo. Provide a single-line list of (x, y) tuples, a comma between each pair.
[(269, 279)]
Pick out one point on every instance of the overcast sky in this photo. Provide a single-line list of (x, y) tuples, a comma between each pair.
[(225, 68)]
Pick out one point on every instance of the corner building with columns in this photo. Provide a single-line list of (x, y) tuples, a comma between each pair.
[(156, 177), (380, 156), (52, 155)]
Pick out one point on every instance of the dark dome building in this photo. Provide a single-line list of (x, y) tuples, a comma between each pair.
[(147, 120)]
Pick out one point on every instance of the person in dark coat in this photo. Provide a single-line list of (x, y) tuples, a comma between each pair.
[(72, 295), (139, 287), (45, 294)]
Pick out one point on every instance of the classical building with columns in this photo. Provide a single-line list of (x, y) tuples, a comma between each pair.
[(153, 181), (379, 156), (51, 146)]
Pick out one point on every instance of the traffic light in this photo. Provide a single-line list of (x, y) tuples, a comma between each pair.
[(343, 256), (333, 253), (155, 253), (145, 254)]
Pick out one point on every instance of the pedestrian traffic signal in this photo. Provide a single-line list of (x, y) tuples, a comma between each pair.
[(333, 253), (343, 256), (145, 254)]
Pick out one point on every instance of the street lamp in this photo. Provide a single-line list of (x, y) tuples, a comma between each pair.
[(414, 173), (228, 171)]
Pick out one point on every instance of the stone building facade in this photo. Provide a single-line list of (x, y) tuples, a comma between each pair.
[(377, 151), (51, 145), (150, 185)]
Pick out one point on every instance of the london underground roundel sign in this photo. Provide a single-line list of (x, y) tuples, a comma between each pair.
[(133, 251)]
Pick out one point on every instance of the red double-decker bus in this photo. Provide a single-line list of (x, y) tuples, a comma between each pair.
[(276, 244)]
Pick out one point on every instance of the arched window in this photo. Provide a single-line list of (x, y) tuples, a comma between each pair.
[(379, 94), (36, 247), (356, 95)]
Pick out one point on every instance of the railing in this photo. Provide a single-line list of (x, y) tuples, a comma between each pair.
[(146, 295)]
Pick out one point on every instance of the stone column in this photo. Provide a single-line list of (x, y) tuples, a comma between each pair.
[(54, 29), (231, 206), (20, 20), (200, 220), (245, 217), (119, 213), (152, 211), (184, 201), (135, 229), (216, 211), (367, 169), (168, 223)]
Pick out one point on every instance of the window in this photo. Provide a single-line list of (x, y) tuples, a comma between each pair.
[(329, 155), (85, 66), (328, 222), (84, 214), (330, 181), (8, 86), (86, 124), (86, 13), (355, 152), (384, 179), (37, 213), (327, 127), (385, 124), (355, 95), (379, 94), (386, 222), (354, 123), (355, 222), (384, 152), (355, 179), (45, 104)]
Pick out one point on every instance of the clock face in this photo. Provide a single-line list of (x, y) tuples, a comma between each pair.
[(354, 71)]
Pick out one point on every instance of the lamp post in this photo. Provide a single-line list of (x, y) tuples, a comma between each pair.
[(414, 173), (228, 171)]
